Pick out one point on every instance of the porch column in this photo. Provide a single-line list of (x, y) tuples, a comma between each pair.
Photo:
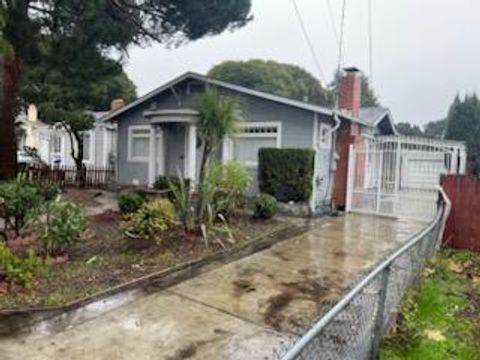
[(191, 153), (152, 158)]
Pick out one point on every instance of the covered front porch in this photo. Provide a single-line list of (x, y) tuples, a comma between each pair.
[(173, 144)]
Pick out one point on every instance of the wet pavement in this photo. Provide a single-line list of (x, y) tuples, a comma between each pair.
[(247, 309)]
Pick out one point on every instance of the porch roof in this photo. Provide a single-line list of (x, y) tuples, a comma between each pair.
[(165, 116)]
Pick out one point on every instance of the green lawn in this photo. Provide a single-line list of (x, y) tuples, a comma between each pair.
[(442, 320)]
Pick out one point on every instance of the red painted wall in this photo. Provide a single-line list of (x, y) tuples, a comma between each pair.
[(463, 225)]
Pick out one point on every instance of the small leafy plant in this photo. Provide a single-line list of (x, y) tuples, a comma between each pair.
[(130, 202), (61, 226), (151, 219), (17, 269), (265, 206), (20, 199)]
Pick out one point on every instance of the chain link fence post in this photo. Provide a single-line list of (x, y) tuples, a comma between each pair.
[(379, 317)]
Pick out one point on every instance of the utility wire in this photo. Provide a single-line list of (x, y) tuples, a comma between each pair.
[(340, 54), (308, 40), (332, 21), (370, 40)]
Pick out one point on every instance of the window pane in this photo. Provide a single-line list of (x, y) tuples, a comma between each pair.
[(140, 147), (57, 144), (86, 147), (246, 149)]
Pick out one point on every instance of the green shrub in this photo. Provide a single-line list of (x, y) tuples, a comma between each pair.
[(228, 183), (17, 269), (61, 226), (130, 202), (50, 192), (165, 183), (20, 199), (286, 174), (151, 219), (181, 198), (265, 206)]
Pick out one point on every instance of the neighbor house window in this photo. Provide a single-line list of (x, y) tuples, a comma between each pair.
[(138, 143), (87, 147), (252, 138), (56, 145)]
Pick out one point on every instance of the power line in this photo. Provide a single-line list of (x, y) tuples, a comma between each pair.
[(340, 52), (308, 40), (332, 21), (370, 41)]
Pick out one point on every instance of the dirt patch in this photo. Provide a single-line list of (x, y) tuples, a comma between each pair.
[(82, 197), (313, 290), (243, 287)]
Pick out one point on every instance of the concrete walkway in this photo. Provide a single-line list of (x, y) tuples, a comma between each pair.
[(247, 309)]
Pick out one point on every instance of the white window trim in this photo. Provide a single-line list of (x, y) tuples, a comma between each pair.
[(251, 125), (324, 142), (131, 129), (91, 145)]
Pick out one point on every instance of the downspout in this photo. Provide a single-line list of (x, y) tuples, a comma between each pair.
[(333, 154)]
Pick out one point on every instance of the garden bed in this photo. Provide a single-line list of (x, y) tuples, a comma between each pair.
[(106, 259)]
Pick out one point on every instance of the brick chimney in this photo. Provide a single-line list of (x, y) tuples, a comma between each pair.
[(350, 92), (117, 104)]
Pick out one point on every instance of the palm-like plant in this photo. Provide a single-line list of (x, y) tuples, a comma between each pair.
[(219, 116)]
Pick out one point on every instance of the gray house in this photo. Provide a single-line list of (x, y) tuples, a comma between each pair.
[(157, 134)]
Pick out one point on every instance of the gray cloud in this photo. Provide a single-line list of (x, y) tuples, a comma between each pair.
[(424, 51)]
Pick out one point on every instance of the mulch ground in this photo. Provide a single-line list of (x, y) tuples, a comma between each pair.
[(105, 258)]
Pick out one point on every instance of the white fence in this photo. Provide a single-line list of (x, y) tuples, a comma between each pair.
[(398, 176)]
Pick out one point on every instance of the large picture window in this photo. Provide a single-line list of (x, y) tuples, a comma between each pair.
[(139, 143), (252, 138)]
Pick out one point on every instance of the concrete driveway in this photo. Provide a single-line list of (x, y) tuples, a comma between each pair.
[(247, 309)]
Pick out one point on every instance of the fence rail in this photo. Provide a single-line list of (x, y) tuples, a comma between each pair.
[(354, 327), (67, 175)]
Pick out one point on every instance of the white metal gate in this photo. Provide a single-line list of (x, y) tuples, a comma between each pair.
[(399, 176)]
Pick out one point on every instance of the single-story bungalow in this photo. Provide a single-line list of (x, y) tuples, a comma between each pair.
[(157, 134)]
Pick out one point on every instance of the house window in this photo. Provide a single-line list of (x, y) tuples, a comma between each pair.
[(87, 147), (324, 138), (57, 145), (252, 138), (139, 143)]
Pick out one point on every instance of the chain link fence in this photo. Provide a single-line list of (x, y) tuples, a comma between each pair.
[(354, 327)]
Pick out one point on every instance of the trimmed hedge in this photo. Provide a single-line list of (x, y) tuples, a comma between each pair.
[(286, 174)]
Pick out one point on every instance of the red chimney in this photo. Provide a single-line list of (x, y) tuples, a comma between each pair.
[(350, 92), (117, 104)]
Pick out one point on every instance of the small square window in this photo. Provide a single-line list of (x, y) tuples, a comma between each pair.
[(324, 136)]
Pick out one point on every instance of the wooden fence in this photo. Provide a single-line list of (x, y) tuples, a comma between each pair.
[(463, 225), (67, 175)]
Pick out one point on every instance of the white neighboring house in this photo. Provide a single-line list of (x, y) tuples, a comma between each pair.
[(54, 146)]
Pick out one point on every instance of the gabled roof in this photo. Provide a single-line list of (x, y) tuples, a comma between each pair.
[(191, 75), (374, 115)]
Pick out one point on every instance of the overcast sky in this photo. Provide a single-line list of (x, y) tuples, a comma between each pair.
[(424, 51)]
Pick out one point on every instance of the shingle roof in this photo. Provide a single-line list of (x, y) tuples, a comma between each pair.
[(372, 115)]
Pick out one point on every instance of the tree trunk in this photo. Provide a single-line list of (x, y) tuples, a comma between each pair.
[(9, 86), (203, 165), (78, 158)]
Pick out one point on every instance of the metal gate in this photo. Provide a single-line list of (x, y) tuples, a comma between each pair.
[(399, 176)]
